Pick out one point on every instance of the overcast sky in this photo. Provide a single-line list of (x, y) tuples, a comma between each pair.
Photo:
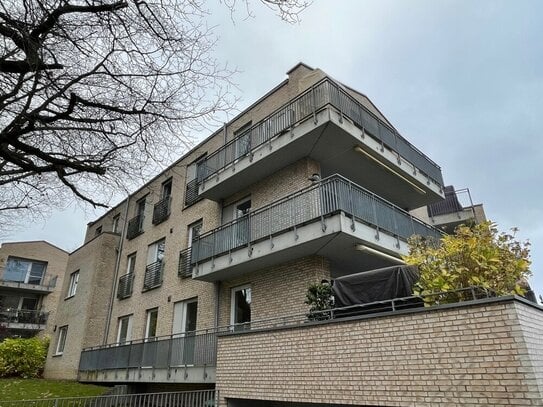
[(461, 80)]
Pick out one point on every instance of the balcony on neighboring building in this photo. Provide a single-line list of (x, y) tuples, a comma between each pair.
[(125, 286), (135, 227), (29, 284), (153, 275), (329, 125), (20, 319), (161, 210), (334, 218), (457, 208), (188, 357)]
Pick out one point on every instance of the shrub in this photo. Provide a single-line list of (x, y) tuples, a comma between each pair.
[(319, 297), (23, 357), (473, 256)]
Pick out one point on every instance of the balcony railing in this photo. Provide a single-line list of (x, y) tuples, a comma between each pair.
[(454, 202), (161, 210), (153, 275), (47, 283), (18, 316), (198, 348), (330, 196), (135, 227), (125, 286), (322, 94), (191, 192), (184, 269)]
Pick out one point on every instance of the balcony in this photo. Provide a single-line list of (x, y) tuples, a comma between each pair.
[(161, 210), (135, 227), (153, 275), (335, 218), (23, 319), (44, 285), (182, 358), (456, 209), (328, 124), (125, 286)]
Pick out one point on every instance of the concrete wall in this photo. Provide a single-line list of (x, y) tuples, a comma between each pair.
[(56, 260), (86, 312), (469, 355)]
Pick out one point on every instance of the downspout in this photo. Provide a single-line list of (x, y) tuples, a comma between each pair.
[(116, 273), (217, 286)]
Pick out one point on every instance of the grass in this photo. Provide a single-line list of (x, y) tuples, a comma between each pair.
[(28, 389)]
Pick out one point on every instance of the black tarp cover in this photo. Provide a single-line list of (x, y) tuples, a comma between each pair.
[(375, 285)]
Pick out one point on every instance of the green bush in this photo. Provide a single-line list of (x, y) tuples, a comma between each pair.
[(473, 256), (23, 357)]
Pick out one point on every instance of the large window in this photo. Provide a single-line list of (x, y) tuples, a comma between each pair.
[(150, 325), (240, 315), (191, 189), (184, 316), (131, 263), (74, 279), (61, 341), (24, 270), (124, 331)]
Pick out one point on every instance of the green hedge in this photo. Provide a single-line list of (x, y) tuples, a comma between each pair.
[(23, 357)]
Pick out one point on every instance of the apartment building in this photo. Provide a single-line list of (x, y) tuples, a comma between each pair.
[(198, 280), (31, 274)]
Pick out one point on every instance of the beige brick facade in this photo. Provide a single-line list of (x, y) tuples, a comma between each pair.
[(85, 313), (485, 354), (56, 260)]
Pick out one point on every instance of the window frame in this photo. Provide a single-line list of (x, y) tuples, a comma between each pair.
[(61, 340), (72, 285), (28, 272), (233, 305), (128, 337), (148, 314)]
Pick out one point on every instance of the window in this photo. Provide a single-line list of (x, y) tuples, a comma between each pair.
[(24, 270), (194, 232), (72, 288), (155, 251), (184, 316), (150, 326), (98, 231), (130, 263), (61, 342), (240, 308), (167, 189), (124, 331), (115, 224), (140, 207), (195, 172)]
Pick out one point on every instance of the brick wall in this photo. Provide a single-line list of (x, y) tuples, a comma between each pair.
[(85, 313), (485, 354), (276, 291)]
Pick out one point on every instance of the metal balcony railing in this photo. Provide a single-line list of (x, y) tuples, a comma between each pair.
[(195, 398), (197, 348), (191, 192), (185, 268), (135, 227), (125, 286), (161, 210), (455, 201), (325, 93), (153, 275), (18, 316), (331, 195)]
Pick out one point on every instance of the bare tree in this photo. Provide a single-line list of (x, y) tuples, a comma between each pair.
[(93, 91)]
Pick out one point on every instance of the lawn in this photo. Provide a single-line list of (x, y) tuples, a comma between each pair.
[(28, 389)]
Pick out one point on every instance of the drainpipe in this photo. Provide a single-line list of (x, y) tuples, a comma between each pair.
[(217, 302), (116, 273)]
